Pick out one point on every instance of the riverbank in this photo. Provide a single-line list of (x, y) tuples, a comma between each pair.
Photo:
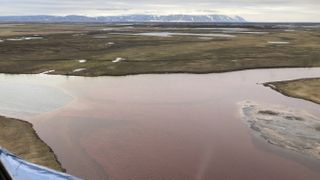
[(20, 138), (307, 89)]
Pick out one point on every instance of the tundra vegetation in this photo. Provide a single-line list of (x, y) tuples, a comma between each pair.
[(201, 50), (20, 138), (308, 89)]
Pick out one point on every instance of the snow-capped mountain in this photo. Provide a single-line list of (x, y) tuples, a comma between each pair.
[(124, 18)]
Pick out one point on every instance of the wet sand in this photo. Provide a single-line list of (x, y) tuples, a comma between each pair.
[(292, 129), (171, 127)]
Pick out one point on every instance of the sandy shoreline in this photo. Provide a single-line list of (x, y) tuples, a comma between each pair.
[(20, 138), (288, 128)]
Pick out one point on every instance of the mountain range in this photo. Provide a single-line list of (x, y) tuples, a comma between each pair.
[(124, 18)]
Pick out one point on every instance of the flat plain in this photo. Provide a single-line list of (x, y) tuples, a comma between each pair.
[(124, 49)]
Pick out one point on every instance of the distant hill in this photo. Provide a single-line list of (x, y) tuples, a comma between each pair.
[(125, 18)]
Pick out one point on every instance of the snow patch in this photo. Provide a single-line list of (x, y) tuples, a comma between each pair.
[(24, 38), (110, 43), (118, 60), (278, 42), (82, 61), (79, 70), (47, 72), (289, 30)]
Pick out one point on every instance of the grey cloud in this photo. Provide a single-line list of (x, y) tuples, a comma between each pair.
[(113, 9), (254, 10)]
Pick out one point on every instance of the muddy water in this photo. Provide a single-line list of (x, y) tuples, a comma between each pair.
[(175, 126)]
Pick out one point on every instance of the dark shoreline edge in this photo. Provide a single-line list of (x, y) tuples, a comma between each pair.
[(81, 74), (274, 87), (33, 132), (50, 149)]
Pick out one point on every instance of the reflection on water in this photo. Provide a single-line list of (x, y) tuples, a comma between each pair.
[(20, 98), (169, 34), (177, 126)]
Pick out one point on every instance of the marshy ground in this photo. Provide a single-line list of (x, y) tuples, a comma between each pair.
[(59, 48)]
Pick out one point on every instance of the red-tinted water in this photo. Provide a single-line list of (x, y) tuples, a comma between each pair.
[(175, 126)]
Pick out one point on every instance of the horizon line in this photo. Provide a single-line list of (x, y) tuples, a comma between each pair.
[(266, 21)]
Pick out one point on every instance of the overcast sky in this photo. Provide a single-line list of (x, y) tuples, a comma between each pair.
[(252, 10)]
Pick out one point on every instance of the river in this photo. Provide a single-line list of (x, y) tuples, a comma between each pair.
[(155, 127)]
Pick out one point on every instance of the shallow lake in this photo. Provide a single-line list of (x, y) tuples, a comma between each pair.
[(169, 34), (169, 126)]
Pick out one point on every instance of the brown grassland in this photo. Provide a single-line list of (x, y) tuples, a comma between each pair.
[(308, 89), (21, 139), (64, 44)]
